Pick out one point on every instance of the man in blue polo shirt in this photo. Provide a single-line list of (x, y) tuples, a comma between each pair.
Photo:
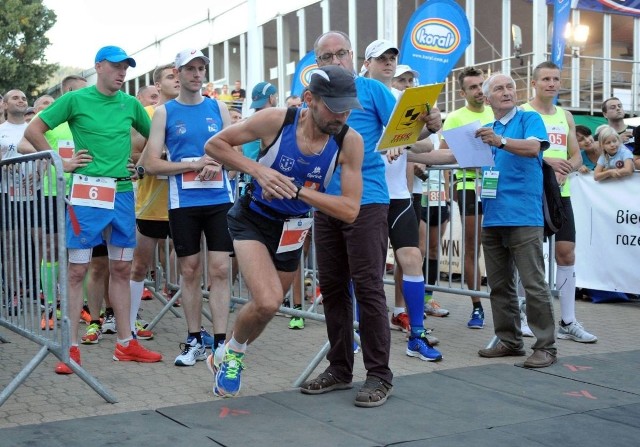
[(513, 225)]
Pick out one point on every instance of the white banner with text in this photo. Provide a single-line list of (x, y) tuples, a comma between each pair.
[(607, 216)]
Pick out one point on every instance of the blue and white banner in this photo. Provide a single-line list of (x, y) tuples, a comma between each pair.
[(435, 38), (624, 7), (303, 71), (561, 10), (607, 232)]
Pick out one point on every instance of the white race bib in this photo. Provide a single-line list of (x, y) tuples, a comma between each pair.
[(189, 178), (294, 232), (436, 198), (65, 149), (98, 192)]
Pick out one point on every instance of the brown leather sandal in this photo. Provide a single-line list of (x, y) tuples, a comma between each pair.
[(324, 383), (373, 393)]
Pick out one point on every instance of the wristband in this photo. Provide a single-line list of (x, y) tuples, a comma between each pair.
[(432, 131), (298, 192)]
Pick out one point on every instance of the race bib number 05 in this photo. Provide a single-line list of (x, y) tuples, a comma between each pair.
[(98, 192)]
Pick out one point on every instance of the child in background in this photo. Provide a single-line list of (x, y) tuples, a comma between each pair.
[(616, 160), (589, 149)]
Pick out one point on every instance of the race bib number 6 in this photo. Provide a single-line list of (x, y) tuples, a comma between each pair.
[(98, 192)]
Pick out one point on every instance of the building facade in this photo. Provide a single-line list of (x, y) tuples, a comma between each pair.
[(256, 40)]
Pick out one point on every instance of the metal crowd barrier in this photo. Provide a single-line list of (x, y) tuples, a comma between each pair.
[(28, 212)]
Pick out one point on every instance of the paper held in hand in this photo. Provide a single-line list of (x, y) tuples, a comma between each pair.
[(403, 127), (469, 150)]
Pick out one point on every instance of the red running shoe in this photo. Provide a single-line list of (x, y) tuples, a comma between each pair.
[(85, 316), (74, 353), (135, 352), (401, 322)]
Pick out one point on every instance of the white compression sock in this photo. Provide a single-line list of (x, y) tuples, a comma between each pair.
[(566, 285), (136, 297)]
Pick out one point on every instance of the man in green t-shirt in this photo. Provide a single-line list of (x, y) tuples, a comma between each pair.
[(100, 118)]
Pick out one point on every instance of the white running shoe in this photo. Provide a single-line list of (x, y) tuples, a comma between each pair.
[(109, 325), (574, 331), (524, 326), (433, 308), (192, 351)]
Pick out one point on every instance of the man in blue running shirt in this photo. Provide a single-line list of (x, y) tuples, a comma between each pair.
[(269, 223)]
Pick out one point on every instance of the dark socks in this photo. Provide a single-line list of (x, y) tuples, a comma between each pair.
[(197, 336), (433, 271), (217, 339)]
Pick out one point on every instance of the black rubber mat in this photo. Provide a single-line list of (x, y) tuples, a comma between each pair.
[(581, 401)]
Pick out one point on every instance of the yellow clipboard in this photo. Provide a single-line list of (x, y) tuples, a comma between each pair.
[(403, 127)]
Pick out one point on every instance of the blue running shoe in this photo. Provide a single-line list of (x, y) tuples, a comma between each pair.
[(228, 371), (213, 363), (207, 338), (477, 319), (421, 348)]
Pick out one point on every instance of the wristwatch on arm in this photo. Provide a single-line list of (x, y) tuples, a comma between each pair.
[(503, 142)]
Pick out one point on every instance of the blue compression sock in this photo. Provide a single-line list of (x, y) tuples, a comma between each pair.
[(413, 290)]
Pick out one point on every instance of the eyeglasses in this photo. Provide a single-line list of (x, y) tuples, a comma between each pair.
[(328, 57)]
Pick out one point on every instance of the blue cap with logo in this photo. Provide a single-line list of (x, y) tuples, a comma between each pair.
[(114, 54), (261, 93)]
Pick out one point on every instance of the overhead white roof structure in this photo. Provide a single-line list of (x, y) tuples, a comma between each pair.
[(233, 17)]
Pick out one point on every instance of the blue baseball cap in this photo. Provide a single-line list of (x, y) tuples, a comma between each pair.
[(114, 54), (261, 93)]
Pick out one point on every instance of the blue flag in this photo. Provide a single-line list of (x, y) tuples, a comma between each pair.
[(436, 36), (561, 10), (624, 7), (303, 71)]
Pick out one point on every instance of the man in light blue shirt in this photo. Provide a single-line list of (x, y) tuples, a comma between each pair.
[(513, 225)]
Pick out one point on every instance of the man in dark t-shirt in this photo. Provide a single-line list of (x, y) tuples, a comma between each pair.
[(238, 93)]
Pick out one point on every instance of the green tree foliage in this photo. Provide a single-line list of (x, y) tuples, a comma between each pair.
[(23, 24)]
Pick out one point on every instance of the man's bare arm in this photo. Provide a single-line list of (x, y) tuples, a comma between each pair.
[(347, 205), (151, 158), (137, 145), (265, 126), (24, 147), (439, 157), (34, 134)]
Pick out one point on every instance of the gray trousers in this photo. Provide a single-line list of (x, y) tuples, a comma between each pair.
[(505, 249)]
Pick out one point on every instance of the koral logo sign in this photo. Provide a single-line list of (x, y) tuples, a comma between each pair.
[(436, 35)]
